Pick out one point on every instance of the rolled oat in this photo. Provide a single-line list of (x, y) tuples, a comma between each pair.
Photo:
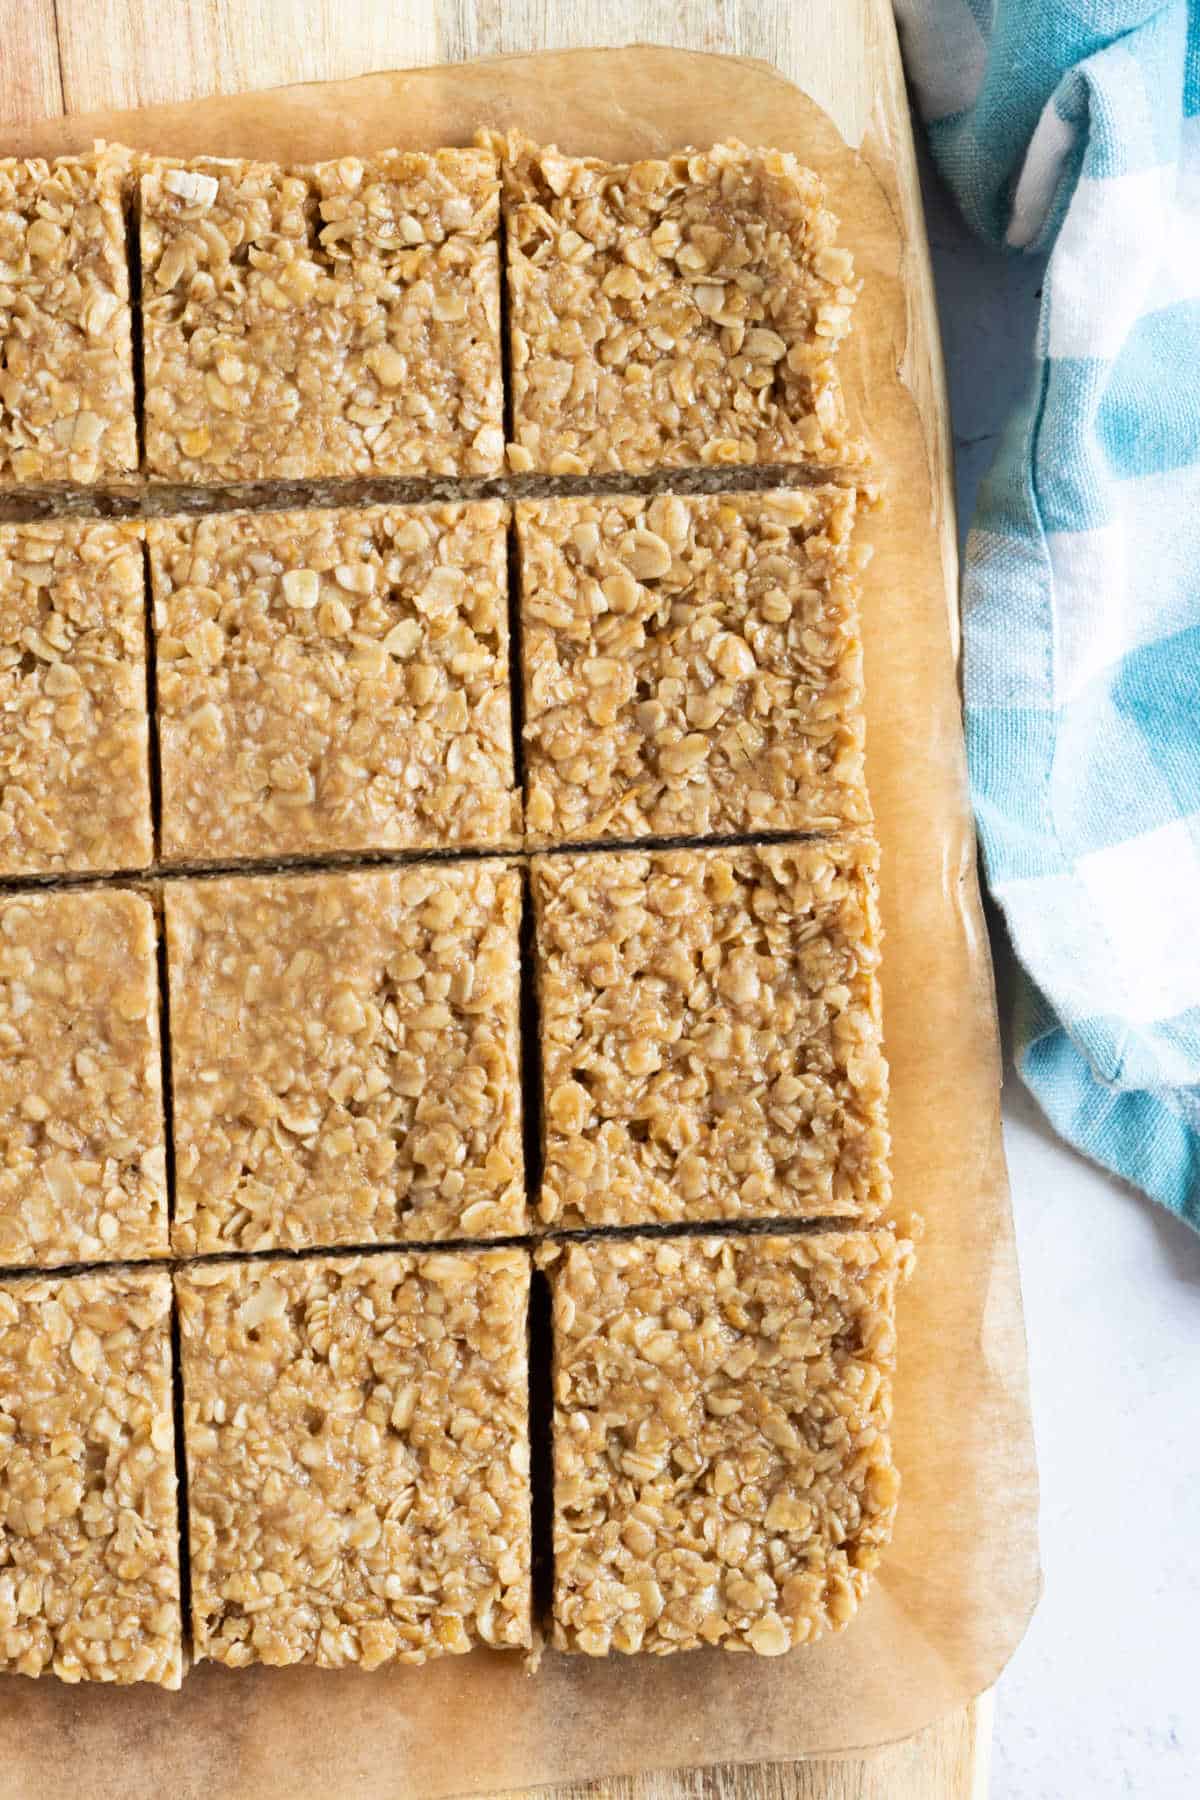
[(358, 1457), (82, 1161), (345, 1058), (74, 758), (89, 1552), (66, 376), (710, 1035), (339, 320), (333, 681), (672, 313), (722, 1460), (691, 666)]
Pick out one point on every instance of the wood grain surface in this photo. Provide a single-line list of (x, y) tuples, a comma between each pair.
[(84, 55)]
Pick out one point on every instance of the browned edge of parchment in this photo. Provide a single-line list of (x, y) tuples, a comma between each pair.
[(959, 1583)]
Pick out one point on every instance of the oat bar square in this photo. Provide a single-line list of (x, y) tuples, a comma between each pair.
[(66, 374), (74, 757), (673, 313), (89, 1549), (691, 666), (710, 1031), (345, 1058), (82, 1175), (333, 681), (336, 320), (723, 1471), (358, 1457)]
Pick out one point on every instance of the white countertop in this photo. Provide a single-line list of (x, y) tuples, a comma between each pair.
[(1103, 1696)]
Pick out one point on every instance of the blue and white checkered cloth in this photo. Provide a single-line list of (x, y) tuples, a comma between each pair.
[(1074, 128)]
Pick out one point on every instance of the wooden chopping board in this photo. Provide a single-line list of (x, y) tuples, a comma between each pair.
[(68, 56)]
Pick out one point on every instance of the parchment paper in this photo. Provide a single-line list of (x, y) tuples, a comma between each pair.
[(958, 1585)]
